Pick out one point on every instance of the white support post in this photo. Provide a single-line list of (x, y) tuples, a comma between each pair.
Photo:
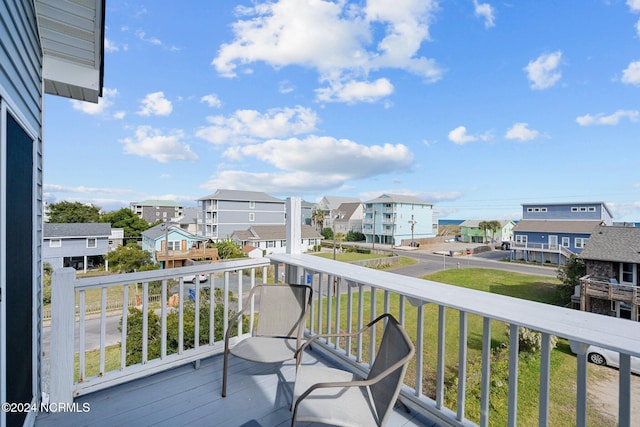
[(293, 210), (63, 316)]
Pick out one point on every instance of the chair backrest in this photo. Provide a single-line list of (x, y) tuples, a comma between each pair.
[(282, 310), (395, 347)]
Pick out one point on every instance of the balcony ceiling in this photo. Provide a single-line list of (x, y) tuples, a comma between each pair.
[(72, 39)]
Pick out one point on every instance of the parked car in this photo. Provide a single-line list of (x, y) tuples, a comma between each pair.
[(192, 278), (602, 356)]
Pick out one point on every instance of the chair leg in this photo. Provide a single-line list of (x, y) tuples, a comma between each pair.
[(225, 366)]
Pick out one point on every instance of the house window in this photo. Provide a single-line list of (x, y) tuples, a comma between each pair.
[(92, 243), (283, 243), (271, 244), (157, 213), (521, 239), (252, 205), (174, 245), (164, 214), (252, 216), (55, 243), (574, 209), (580, 242), (566, 242), (592, 209), (626, 272)]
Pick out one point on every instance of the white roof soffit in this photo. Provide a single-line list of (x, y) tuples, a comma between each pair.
[(72, 39)]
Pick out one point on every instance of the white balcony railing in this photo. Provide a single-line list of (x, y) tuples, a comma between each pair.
[(70, 313), (338, 284)]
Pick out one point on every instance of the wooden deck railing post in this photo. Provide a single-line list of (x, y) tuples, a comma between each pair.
[(63, 316)]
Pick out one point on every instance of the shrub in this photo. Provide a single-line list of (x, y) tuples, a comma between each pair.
[(530, 341), (154, 328)]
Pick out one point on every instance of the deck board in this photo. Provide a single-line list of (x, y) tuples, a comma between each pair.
[(258, 395)]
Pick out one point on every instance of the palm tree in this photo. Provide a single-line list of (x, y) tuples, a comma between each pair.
[(494, 226), (317, 217), (484, 226), (340, 237)]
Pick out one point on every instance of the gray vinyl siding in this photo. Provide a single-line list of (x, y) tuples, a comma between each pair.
[(21, 91), (235, 215), (20, 60), (564, 212)]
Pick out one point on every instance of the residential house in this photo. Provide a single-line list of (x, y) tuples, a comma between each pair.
[(46, 49), (348, 218), (157, 210), (329, 206), (272, 239), (77, 245), (306, 209), (551, 232), (226, 211), (395, 219), (116, 239), (191, 220), (470, 232), (174, 247), (612, 261)]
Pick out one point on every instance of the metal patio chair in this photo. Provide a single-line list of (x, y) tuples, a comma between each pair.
[(277, 333), (341, 398)]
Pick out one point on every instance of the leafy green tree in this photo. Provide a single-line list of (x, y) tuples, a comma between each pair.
[(228, 249), (129, 258), (126, 219), (66, 212), (569, 274), (327, 233)]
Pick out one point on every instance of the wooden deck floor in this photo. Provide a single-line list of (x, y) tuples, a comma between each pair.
[(258, 396)]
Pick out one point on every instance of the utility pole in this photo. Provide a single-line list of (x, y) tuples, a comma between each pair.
[(333, 228), (373, 240), (413, 223)]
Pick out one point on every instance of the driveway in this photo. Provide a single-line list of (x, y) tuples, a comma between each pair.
[(603, 393)]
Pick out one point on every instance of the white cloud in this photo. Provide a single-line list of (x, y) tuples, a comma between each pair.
[(152, 40), (459, 136), (543, 71), (611, 119), (521, 132), (324, 155), (101, 107), (110, 46), (638, 28), (150, 142), (334, 38), (212, 100), (155, 104), (55, 188), (634, 5), (285, 86), (631, 74), (486, 11), (314, 164), (247, 125), (355, 91)]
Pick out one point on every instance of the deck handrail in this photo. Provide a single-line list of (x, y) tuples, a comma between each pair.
[(65, 286), (550, 320)]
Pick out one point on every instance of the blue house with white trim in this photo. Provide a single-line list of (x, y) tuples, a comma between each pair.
[(552, 232)]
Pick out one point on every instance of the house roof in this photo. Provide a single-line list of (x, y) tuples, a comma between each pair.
[(332, 202), (169, 203), (549, 226), (347, 210), (189, 216), (72, 42), (475, 223), (398, 198), (619, 244), (273, 232), (159, 231), (253, 196), (77, 229)]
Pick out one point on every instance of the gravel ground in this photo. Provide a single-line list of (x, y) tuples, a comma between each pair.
[(603, 394)]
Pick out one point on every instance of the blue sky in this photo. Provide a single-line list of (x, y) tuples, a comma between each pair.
[(475, 106)]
